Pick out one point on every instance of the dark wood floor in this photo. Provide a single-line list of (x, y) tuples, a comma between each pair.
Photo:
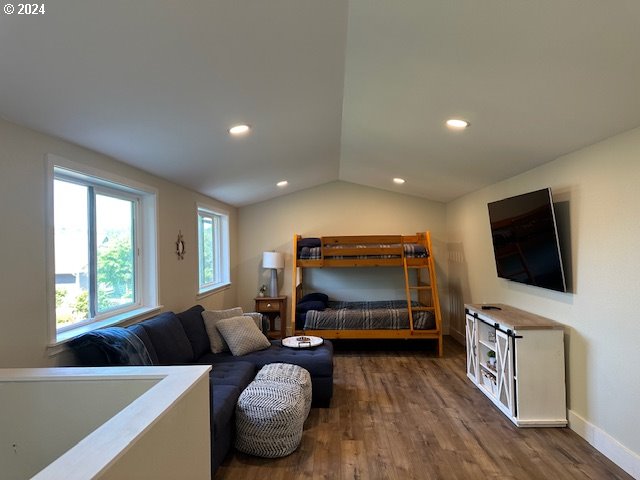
[(399, 412)]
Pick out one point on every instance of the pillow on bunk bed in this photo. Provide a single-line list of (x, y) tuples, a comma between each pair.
[(309, 242), (315, 296), (304, 307), (301, 319), (242, 335)]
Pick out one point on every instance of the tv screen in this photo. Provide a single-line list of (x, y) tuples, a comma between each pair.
[(525, 240)]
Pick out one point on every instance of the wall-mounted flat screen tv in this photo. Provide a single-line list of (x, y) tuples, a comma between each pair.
[(525, 240)]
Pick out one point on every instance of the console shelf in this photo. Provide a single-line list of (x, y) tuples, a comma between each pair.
[(526, 378)]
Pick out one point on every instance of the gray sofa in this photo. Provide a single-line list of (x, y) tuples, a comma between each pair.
[(180, 339)]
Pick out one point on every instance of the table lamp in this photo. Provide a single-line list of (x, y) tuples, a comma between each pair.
[(274, 261)]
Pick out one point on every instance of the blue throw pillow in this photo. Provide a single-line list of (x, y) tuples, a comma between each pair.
[(304, 307), (315, 297)]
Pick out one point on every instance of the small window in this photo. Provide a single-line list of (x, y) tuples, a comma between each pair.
[(213, 250), (103, 263)]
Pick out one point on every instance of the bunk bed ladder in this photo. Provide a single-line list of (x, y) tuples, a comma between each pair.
[(424, 290), (427, 293), (407, 289)]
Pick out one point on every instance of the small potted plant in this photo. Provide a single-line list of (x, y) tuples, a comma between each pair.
[(491, 359), (263, 289)]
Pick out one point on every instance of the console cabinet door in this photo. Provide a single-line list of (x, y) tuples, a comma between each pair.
[(504, 364), (472, 347)]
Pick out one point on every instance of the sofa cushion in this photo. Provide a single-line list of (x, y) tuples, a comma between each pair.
[(222, 421), (224, 402), (317, 360), (193, 325), (169, 339), (242, 335), (141, 333), (239, 374), (211, 318)]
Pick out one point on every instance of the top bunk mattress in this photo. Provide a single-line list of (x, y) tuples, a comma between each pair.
[(311, 249)]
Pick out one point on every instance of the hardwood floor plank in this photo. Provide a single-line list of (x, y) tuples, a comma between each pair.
[(400, 412), (354, 464)]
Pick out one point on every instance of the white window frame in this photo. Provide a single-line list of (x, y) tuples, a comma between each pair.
[(145, 244), (220, 252)]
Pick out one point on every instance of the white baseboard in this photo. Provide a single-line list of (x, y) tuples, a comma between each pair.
[(607, 445), (457, 336)]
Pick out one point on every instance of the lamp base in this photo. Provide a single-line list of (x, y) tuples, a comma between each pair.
[(273, 286)]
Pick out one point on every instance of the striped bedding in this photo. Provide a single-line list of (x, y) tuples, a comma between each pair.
[(411, 250), (377, 315)]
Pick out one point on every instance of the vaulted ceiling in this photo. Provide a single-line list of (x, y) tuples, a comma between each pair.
[(357, 90)]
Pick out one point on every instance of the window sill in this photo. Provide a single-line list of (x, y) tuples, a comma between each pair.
[(205, 293), (63, 337)]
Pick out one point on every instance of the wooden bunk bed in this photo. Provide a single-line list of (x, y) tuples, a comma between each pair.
[(419, 315)]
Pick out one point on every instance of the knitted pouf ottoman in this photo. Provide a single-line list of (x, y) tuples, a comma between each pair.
[(270, 416), (288, 373)]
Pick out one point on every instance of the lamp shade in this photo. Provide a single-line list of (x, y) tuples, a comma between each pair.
[(272, 260)]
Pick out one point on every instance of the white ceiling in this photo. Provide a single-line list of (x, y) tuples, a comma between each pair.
[(357, 91)]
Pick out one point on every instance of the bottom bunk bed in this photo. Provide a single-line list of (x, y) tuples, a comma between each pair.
[(386, 319)]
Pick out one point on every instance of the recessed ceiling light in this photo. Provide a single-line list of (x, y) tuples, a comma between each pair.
[(398, 180), (239, 129), (457, 124), (282, 183)]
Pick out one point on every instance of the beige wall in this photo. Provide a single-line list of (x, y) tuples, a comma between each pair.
[(601, 186), (22, 225), (336, 208)]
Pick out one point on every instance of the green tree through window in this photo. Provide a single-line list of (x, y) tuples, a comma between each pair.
[(213, 250), (207, 265), (94, 250), (115, 273)]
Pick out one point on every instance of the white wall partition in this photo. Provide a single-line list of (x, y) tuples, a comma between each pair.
[(126, 422)]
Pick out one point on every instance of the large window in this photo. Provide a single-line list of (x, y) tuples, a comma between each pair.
[(103, 247), (213, 250)]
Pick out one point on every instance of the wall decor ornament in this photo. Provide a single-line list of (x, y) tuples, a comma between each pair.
[(180, 246)]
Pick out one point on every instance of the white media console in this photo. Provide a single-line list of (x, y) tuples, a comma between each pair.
[(526, 380)]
